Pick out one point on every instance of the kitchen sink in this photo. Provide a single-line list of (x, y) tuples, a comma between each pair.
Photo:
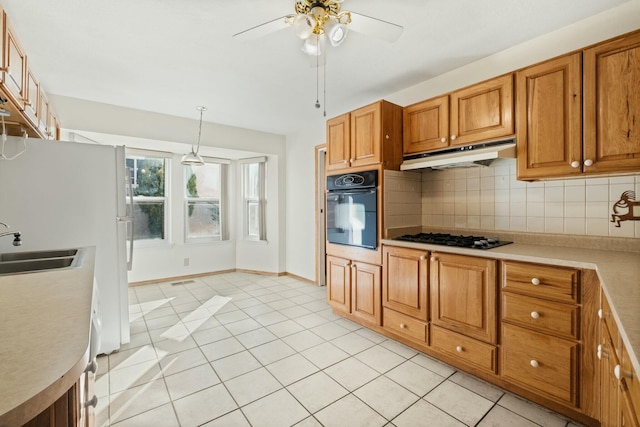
[(34, 261), (37, 255)]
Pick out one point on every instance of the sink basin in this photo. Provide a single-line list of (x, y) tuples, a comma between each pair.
[(19, 256), (34, 261), (26, 266)]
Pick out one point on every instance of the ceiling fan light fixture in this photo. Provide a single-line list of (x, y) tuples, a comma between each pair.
[(336, 32), (314, 45), (303, 25), (193, 158)]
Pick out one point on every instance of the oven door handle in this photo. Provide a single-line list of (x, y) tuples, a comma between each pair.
[(352, 192)]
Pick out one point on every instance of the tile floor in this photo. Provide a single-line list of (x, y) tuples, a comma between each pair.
[(239, 349)]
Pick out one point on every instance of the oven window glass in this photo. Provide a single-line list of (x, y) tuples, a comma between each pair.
[(351, 218)]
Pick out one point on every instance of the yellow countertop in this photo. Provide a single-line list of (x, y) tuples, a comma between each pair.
[(45, 325), (618, 272)]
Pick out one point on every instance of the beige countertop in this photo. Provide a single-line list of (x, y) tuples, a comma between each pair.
[(45, 322), (618, 272)]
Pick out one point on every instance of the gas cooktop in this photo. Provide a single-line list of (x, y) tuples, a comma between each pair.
[(475, 242)]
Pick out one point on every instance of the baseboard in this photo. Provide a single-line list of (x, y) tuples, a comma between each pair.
[(211, 273)]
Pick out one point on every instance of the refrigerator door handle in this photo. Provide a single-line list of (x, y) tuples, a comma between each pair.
[(129, 218)]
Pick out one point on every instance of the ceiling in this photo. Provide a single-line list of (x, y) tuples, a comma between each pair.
[(171, 56)]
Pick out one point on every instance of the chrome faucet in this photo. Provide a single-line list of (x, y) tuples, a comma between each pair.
[(17, 239)]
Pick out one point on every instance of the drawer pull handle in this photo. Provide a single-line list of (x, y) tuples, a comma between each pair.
[(453, 137), (422, 258), (459, 349), (535, 281), (403, 326), (443, 139), (575, 164), (433, 259), (534, 363), (535, 314), (92, 402), (588, 162)]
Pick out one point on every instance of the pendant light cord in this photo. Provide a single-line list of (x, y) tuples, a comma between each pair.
[(324, 88), (317, 72), (199, 130)]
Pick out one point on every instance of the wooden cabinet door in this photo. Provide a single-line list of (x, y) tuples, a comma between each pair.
[(14, 66), (338, 145), (426, 125), (365, 292), (549, 118), (404, 281), (483, 111), (612, 106), (339, 283), (609, 383), (32, 97), (463, 295), (365, 135)]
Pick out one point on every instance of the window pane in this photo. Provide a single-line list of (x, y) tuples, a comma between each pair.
[(149, 177), (252, 181), (203, 219), (253, 218), (204, 181), (148, 222)]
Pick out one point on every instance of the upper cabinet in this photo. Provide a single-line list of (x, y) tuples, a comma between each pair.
[(612, 106), (600, 85), (23, 96), (549, 118), (476, 113), (370, 135)]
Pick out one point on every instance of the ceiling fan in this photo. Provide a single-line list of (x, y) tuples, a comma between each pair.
[(316, 21)]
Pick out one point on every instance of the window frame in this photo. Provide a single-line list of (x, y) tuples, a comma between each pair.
[(166, 199), (223, 203), (261, 200)]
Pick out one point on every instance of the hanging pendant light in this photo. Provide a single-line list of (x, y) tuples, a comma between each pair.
[(193, 158)]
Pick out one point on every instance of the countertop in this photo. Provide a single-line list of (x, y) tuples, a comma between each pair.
[(45, 326), (618, 272)]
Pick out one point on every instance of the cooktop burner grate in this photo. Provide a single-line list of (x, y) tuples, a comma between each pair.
[(475, 242)]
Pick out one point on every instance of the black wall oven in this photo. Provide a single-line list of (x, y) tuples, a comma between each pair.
[(352, 209)]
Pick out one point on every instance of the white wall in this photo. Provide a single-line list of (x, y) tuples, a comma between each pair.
[(145, 130), (300, 227)]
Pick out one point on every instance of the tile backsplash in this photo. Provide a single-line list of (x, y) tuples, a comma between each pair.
[(490, 198)]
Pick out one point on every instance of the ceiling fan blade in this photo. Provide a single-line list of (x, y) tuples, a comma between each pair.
[(262, 29), (375, 27)]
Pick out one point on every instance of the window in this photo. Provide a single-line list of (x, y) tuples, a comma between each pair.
[(149, 195), (205, 206), (254, 198)]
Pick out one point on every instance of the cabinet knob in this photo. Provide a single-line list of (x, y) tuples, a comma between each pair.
[(459, 349), (453, 137), (575, 164), (92, 402), (534, 363), (433, 259), (350, 161), (617, 371), (353, 266), (386, 137), (535, 314), (535, 281), (588, 162), (599, 351), (92, 367), (600, 313), (443, 139), (422, 257), (403, 326)]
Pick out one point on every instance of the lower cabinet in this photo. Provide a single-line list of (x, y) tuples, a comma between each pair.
[(619, 386), (353, 288), (75, 408)]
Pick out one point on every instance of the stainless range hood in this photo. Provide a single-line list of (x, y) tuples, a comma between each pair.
[(462, 157)]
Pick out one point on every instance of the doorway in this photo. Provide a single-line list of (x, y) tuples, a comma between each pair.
[(321, 238)]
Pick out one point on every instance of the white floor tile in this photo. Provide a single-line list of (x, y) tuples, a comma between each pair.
[(235, 365), (459, 402), (292, 369), (223, 348), (277, 409), (252, 386), (204, 406), (415, 378), (137, 400), (232, 419), (421, 411), (256, 337), (531, 411), (303, 340), (272, 351), (162, 416), (380, 359), (206, 336), (182, 361), (477, 386), (386, 397), (352, 343), (283, 329), (351, 373), (349, 411), (190, 381), (324, 355), (317, 391), (501, 417)]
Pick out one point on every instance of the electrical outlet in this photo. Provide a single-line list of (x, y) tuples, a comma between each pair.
[(186, 262)]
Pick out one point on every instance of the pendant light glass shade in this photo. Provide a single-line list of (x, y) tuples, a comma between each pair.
[(193, 158), (336, 32), (303, 25), (314, 45)]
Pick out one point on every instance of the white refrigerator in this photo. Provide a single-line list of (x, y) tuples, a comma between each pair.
[(68, 194)]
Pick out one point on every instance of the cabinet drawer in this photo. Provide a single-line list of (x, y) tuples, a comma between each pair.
[(543, 281), (545, 364), (544, 316), (471, 351), (405, 326)]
